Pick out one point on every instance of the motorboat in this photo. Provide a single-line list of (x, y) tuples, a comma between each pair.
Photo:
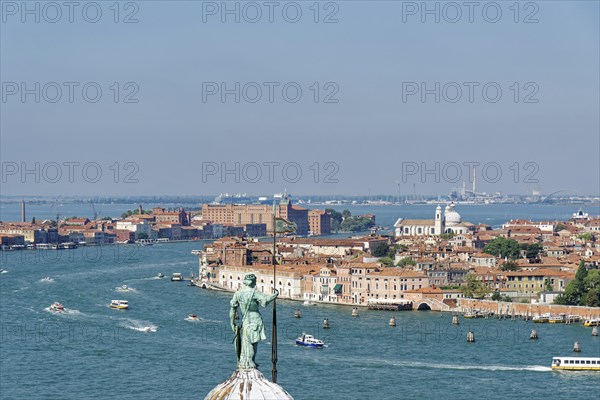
[(592, 322), (576, 363), (308, 303), (160, 275), (309, 341), (47, 279), (119, 304), (558, 319), (541, 319), (177, 277), (192, 317), (57, 307)]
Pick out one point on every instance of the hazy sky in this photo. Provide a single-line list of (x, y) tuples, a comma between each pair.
[(366, 117)]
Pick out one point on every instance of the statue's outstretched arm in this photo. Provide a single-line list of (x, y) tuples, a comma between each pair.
[(265, 299)]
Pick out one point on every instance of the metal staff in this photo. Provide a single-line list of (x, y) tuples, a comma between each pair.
[(274, 334)]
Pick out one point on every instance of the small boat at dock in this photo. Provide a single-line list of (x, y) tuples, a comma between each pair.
[(557, 319), (541, 319), (309, 341)]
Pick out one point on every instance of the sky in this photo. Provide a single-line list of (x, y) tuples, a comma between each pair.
[(345, 97)]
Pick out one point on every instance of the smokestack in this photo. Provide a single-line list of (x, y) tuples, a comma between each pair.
[(22, 210)]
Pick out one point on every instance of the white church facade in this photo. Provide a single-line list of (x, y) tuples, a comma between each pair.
[(448, 221)]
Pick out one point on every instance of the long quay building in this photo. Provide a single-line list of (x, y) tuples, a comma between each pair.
[(316, 222)]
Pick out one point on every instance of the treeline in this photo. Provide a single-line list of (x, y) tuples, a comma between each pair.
[(584, 290), (346, 222)]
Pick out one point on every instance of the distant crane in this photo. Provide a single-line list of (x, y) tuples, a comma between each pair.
[(96, 213)]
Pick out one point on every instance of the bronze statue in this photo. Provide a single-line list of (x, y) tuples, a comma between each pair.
[(252, 330)]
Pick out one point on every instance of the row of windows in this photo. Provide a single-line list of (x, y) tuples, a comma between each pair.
[(581, 362)]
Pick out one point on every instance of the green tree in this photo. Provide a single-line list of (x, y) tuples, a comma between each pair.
[(503, 247), (473, 288), (406, 261), (380, 250), (33, 220), (585, 236), (559, 227), (509, 266), (346, 214), (532, 250), (496, 296), (336, 219), (576, 292), (387, 261), (446, 236)]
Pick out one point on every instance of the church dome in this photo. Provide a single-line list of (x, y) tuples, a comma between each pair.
[(248, 384), (452, 217)]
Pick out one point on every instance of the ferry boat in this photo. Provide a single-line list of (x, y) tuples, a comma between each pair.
[(576, 363), (474, 314), (557, 319), (119, 304), (177, 277), (309, 341), (541, 319), (592, 322), (57, 307)]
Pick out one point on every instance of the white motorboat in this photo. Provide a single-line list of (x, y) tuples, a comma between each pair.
[(176, 277), (57, 307), (119, 304), (309, 341), (160, 275)]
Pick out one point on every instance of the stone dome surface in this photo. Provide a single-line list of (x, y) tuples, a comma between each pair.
[(452, 217), (248, 384)]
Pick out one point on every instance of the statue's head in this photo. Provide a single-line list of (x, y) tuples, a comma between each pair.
[(250, 280)]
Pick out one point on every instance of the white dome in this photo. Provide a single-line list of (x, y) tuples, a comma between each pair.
[(451, 216), (248, 384)]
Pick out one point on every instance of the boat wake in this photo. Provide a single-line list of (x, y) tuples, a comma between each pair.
[(417, 364), (47, 280), (4, 271), (138, 326), (66, 312)]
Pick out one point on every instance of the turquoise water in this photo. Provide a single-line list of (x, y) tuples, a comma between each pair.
[(151, 352)]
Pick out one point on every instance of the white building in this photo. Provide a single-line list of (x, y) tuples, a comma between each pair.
[(448, 222)]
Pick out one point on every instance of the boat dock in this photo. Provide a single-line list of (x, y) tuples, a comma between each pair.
[(390, 305)]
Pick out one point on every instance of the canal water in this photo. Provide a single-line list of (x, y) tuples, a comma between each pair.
[(152, 352)]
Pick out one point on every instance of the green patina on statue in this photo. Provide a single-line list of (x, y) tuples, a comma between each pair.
[(252, 330)]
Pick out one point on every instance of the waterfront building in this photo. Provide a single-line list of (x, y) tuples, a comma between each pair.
[(178, 216), (447, 222), (32, 233), (319, 222), (242, 214)]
